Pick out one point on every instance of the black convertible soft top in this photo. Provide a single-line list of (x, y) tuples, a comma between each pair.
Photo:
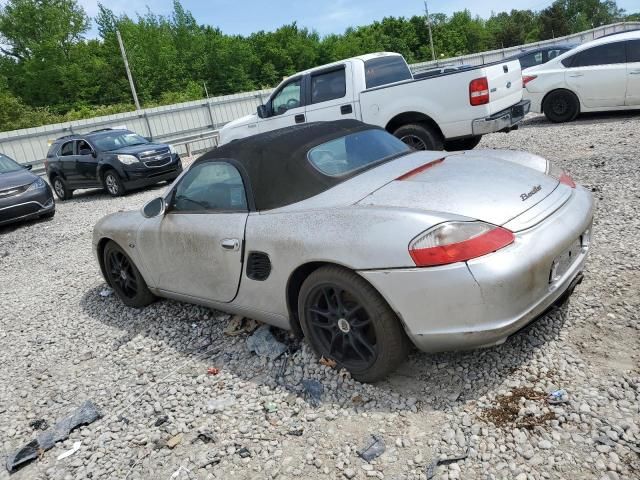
[(275, 163)]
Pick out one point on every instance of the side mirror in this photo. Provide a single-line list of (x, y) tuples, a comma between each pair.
[(262, 111), (154, 208), (94, 154), (28, 167)]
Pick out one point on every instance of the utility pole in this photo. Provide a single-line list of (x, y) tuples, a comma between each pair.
[(126, 66), (426, 11)]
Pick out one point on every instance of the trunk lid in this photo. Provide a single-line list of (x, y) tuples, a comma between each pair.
[(505, 87), (474, 185)]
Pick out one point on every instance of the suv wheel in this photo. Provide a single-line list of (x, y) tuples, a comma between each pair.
[(60, 187), (113, 184)]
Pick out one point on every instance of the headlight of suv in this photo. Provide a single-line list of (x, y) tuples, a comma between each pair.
[(173, 150), (37, 185), (128, 159)]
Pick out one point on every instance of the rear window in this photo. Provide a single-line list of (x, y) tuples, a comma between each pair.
[(345, 155), (328, 86), (385, 70)]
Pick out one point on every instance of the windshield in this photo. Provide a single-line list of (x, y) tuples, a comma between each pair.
[(8, 165), (347, 154), (115, 140)]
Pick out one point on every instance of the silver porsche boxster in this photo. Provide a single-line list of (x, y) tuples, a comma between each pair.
[(343, 234)]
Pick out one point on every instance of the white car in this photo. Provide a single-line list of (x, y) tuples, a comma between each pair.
[(596, 76), (450, 110)]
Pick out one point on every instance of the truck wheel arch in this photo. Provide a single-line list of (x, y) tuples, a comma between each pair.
[(407, 118)]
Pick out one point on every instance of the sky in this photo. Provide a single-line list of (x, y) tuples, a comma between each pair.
[(325, 16)]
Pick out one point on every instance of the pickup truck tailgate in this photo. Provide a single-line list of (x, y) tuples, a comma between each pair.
[(505, 85)]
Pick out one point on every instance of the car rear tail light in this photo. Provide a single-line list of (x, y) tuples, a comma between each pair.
[(453, 242), (527, 78), (560, 175), (420, 169), (479, 91)]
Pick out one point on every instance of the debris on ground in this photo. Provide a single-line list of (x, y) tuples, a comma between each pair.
[(244, 452), (431, 468), (558, 396), (270, 407), (161, 421), (207, 436), (374, 447), (508, 413), (313, 391), (174, 441), (39, 424), (106, 292), (84, 415), (239, 325), (179, 471), (213, 371), (328, 362), (264, 344), (71, 451), (296, 432), (220, 404)]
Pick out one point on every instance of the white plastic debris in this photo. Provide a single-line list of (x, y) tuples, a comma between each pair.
[(106, 292), (71, 451)]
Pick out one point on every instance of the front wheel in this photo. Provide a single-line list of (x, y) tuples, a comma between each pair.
[(420, 136), (125, 278), (561, 106), (113, 184), (345, 319)]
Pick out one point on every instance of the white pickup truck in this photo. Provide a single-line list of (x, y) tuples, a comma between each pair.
[(449, 111)]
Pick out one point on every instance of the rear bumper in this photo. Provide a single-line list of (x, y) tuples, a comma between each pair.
[(535, 99), (26, 206), (482, 302), (502, 120)]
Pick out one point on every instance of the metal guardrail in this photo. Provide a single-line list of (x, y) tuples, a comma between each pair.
[(193, 126)]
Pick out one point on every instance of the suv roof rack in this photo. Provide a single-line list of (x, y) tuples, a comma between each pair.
[(65, 136), (101, 130)]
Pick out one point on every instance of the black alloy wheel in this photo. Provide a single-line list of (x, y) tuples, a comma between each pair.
[(124, 277), (345, 319), (561, 106)]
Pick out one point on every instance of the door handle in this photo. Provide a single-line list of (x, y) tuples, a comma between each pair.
[(634, 72), (299, 118), (576, 75), (346, 109), (230, 243)]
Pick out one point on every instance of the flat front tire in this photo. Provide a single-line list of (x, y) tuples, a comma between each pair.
[(561, 106), (420, 136), (125, 278), (345, 319)]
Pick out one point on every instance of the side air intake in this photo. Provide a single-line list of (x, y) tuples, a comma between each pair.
[(258, 266)]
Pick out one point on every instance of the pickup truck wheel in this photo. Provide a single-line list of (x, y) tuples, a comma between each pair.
[(60, 187), (420, 137), (561, 106), (462, 144), (113, 184), (125, 278), (345, 319)]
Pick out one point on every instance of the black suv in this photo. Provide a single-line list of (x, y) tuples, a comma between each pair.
[(117, 160)]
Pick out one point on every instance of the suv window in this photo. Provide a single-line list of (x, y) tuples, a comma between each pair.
[(551, 54), (328, 85), (287, 98), (385, 70), (117, 139), (210, 186), (530, 60), (67, 149), (633, 51), (84, 148), (607, 54)]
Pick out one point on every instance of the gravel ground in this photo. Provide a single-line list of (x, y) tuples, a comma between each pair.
[(165, 417)]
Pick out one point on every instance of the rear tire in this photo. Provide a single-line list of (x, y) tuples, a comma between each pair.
[(125, 278), (561, 106), (60, 187), (420, 136), (344, 318), (462, 144), (113, 184)]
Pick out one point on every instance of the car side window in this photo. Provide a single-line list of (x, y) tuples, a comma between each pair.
[(607, 54), (633, 51), (551, 54), (328, 86), (66, 149), (84, 148), (287, 98), (531, 60), (210, 187)]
